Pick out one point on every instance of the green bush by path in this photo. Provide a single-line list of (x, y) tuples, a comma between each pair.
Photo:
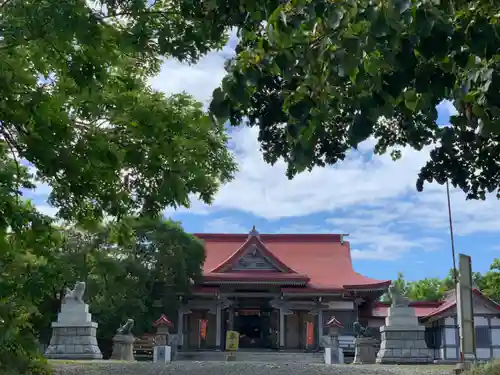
[(489, 368)]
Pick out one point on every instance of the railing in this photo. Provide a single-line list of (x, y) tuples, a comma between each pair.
[(143, 348)]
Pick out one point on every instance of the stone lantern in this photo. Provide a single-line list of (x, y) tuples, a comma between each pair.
[(334, 327), (333, 353), (162, 326)]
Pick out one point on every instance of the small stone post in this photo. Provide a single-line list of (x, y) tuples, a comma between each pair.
[(162, 352)]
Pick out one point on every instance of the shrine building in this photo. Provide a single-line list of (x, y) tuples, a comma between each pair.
[(279, 290), (276, 290)]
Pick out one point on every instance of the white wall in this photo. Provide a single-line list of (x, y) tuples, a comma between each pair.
[(450, 336)]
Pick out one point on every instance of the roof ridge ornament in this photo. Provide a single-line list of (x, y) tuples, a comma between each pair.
[(342, 237), (253, 233)]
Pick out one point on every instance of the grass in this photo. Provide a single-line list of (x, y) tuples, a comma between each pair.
[(489, 368)]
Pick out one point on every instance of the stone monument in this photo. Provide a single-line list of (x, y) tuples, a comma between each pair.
[(365, 345), (403, 338), (74, 333), (123, 342)]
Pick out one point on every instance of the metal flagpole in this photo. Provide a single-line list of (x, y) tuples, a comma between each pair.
[(452, 239)]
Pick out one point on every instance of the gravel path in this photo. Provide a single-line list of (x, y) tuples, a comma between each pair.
[(241, 368)]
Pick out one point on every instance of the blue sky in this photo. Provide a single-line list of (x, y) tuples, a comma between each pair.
[(392, 227)]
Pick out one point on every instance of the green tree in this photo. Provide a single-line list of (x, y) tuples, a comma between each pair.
[(319, 77), (449, 280), (428, 289), (76, 105), (26, 242), (133, 269), (153, 261), (490, 281)]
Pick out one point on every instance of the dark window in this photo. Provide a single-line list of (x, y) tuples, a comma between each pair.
[(433, 337), (483, 337)]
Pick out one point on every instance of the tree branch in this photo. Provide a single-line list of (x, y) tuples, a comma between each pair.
[(11, 144)]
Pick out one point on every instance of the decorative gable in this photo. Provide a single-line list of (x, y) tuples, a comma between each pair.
[(253, 255), (253, 259)]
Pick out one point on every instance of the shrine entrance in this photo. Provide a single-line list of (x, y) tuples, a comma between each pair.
[(257, 328)]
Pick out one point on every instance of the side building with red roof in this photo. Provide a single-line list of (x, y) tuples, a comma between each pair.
[(440, 320), (277, 290)]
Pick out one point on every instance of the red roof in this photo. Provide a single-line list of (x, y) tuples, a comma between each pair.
[(162, 321), (318, 261), (422, 308), (450, 302), (427, 309), (333, 322)]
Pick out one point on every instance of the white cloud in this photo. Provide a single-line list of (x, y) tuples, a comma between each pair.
[(198, 80), (372, 198), (265, 191), (47, 210), (224, 225)]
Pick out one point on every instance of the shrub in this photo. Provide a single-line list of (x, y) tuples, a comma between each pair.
[(489, 368)]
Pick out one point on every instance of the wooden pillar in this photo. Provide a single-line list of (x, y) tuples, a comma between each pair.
[(218, 327), (180, 328), (282, 328), (302, 331), (183, 311), (231, 319), (320, 327)]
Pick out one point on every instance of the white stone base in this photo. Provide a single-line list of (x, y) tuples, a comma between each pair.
[(162, 354), (402, 317), (73, 342), (74, 314), (334, 356), (400, 345), (74, 334)]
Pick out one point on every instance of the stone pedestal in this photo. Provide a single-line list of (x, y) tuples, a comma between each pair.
[(162, 354), (333, 353), (74, 334), (123, 347), (403, 338), (365, 350), (333, 356)]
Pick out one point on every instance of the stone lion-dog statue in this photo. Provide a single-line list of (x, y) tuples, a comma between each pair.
[(397, 299), (75, 294)]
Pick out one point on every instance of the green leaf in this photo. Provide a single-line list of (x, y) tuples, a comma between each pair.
[(218, 106), (411, 99), (334, 18), (360, 129)]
